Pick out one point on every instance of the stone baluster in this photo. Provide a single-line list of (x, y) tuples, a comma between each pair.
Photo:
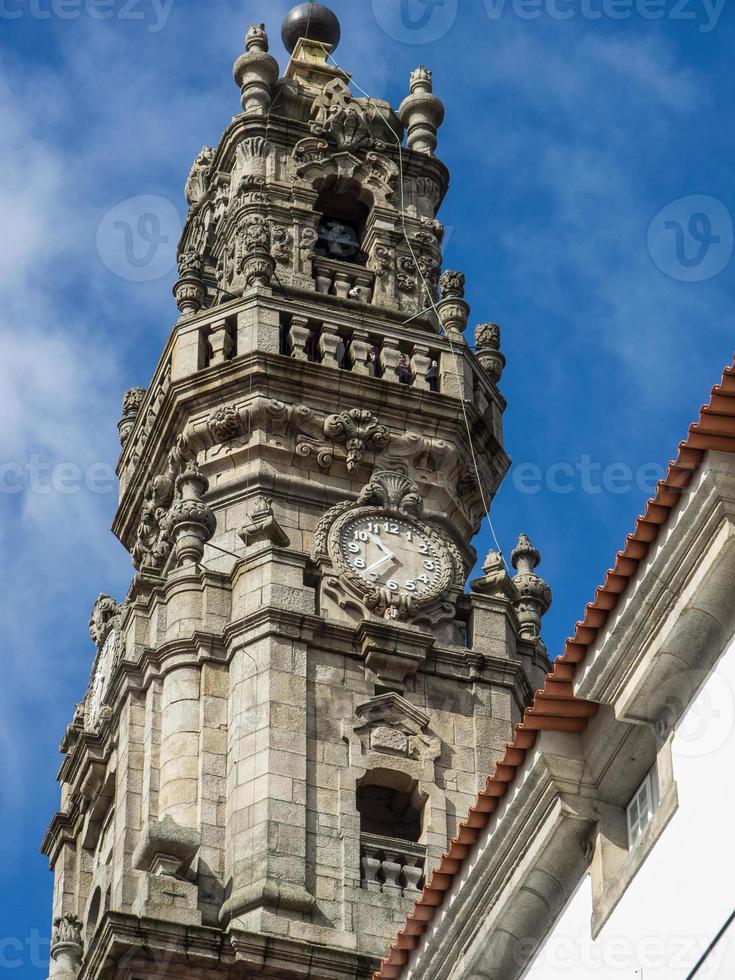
[(371, 869), (364, 282), (413, 873), (323, 278), (391, 869), (220, 342), (420, 364), (329, 343), (342, 283), (390, 355), (357, 355), (298, 334)]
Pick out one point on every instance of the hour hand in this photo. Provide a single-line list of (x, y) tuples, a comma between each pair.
[(376, 540)]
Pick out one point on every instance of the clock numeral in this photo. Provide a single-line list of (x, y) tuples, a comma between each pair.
[(361, 535), (410, 586), (359, 563), (354, 548), (392, 528), (424, 548), (393, 586), (424, 579), (429, 565)]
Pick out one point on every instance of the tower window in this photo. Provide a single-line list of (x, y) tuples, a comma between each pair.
[(642, 807), (388, 812), (342, 227)]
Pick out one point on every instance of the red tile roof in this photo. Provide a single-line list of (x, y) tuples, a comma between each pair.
[(555, 708)]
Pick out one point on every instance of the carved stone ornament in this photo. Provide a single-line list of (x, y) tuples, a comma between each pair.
[(67, 932), (395, 564), (390, 725), (360, 431), (495, 580), (197, 184), (340, 118), (102, 671), (534, 593), (191, 522), (132, 401), (487, 344), (102, 619), (261, 526)]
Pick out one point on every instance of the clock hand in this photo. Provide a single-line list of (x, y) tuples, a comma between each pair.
[(376, 540), (379, 562)]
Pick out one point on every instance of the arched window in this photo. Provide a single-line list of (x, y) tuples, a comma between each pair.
[(387, 812), (342, 225), (93, 914)]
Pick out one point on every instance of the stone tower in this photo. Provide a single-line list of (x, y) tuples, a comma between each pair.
[(297, 699)]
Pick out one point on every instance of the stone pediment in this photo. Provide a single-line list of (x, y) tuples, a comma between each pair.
[(394, 711), (391, 725)]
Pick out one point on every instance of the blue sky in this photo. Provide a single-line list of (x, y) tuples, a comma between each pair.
[(582, 149)]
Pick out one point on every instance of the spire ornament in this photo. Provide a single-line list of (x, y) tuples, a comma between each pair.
[(132, 401), (487, 344), (191, 522), (256, 72), (535, 593), (422, 112), (452, 308)]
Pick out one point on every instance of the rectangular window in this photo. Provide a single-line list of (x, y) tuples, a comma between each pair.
[(642, 808)]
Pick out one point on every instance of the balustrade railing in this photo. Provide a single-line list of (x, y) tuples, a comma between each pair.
[(343, 279), (361, 352), (391, 866)]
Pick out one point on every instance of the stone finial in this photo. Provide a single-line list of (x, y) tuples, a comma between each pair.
[(189, 291), (535, 594), (256, 72), (102, 619), (256, 38), (452, 309), (495, 580), (487, 345), (67, 946), (132, 400), (191, 522), (422, 113), (197, 183), (262, 526), (452, 284)]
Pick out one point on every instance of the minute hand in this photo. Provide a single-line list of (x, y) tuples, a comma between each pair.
[(376, 540), (379, 562)]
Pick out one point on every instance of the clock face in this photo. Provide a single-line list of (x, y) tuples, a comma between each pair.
[(393, 554)]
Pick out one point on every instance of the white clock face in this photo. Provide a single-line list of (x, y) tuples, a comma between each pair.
[(393, 554)]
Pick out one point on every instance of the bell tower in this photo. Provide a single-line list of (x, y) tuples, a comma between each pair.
[(298, 698)]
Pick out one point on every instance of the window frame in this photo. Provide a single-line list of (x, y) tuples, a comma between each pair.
[(641, 809)]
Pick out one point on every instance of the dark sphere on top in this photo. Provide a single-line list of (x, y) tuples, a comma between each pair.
[(312, 20)]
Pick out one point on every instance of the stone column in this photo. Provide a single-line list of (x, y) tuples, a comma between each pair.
[(180, 726)]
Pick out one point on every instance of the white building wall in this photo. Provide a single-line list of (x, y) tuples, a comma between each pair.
[(685, 891)]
